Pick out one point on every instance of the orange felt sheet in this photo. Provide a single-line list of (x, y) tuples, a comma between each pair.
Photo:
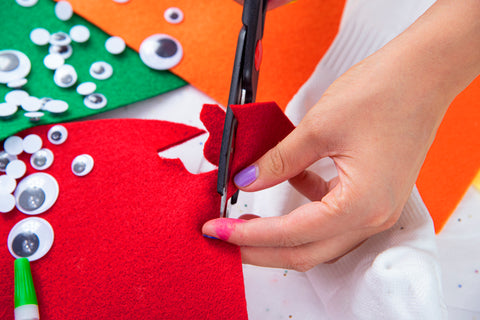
[(454, 158), (296, 37)]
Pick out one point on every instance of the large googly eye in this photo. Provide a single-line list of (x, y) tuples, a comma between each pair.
[(101, 70), (65, 76), (36, 193), (30, 238), (95, 101), (14, 65), (82, 165), (57, 134), (64, 51), (42, 159), (5, 159), (161, 52), (173, 15)]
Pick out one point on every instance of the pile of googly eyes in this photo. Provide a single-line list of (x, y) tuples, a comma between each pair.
[(35, 193)]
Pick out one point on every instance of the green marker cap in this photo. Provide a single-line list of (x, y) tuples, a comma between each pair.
[(24, 289)]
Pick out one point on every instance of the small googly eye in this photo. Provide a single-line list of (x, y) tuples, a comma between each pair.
[(115, 45), (14, 65), (34, 116), (7, 110), (53, 61), (161, 52), (42, 159), (16, 169), (101, 70), (32, 143), (57, 134), (13, 145), (40, 36), (64, 51), (7, 184), (30, 238), (7, 202), (63, 10), (173, 15), (86, 88), (5, 159), (59, 39), (95, 101), (18, 83), (82, 165), (26, 3), (65, 76), (56, 106), (36, 193), (79, 33)]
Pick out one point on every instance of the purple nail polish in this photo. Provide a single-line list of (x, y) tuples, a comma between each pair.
[(246, 176)]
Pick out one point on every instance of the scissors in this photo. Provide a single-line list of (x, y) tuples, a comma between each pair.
[(243, 88)]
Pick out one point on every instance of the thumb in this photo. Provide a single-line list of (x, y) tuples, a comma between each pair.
[(289, 158)]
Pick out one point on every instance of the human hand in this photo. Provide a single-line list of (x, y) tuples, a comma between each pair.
[(376, 122)]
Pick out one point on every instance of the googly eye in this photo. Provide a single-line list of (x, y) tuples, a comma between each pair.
[(101, 70), (30, 238), (13, 65), (34, 116), (82, 165), (31, 103), (7, 110), (16, 97), (40, 36), (59, 39), (115, 45), (18, 83), (64, 51), (42, 159), (57, 134), (32, 143), (56, 106), (13, 145), (79, 33), (95, 101), (7, 184), (36, 193), (161, 52), (53, 61), (173, 15), (65, 76), (26, 3), (86, 88), (16, 169), (5, 159), (7, 202), (63, 10)]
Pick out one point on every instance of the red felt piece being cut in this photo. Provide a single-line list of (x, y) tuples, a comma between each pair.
[(128, 242), (260, 127)]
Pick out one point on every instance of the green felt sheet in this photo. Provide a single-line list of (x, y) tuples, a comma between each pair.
[(131, 81)]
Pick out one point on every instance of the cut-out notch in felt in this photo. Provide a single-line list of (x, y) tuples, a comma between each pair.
[(128, 242), (130, 82)]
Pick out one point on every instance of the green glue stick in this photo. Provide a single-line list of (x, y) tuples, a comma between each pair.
[(26, 305)]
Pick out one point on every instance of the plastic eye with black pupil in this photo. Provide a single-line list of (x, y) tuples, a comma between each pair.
[(82, 165), (14, 65), (65, 76), (173, 15), (161, 52), (36, 193), (57, 134), (101, 70), (5, 159), (30, 238), (65, 51), (60, 39), (42, 159), (95, 101)]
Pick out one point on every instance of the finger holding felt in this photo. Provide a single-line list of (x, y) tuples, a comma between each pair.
[(284, 161), (311, 222)]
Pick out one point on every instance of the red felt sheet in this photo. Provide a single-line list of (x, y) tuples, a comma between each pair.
[(128, 242)]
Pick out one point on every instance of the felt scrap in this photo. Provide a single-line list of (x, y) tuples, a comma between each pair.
[(295, 38), (131, 81)]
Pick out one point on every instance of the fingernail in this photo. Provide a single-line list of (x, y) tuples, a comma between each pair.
[(210, 237), (246, 177)]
